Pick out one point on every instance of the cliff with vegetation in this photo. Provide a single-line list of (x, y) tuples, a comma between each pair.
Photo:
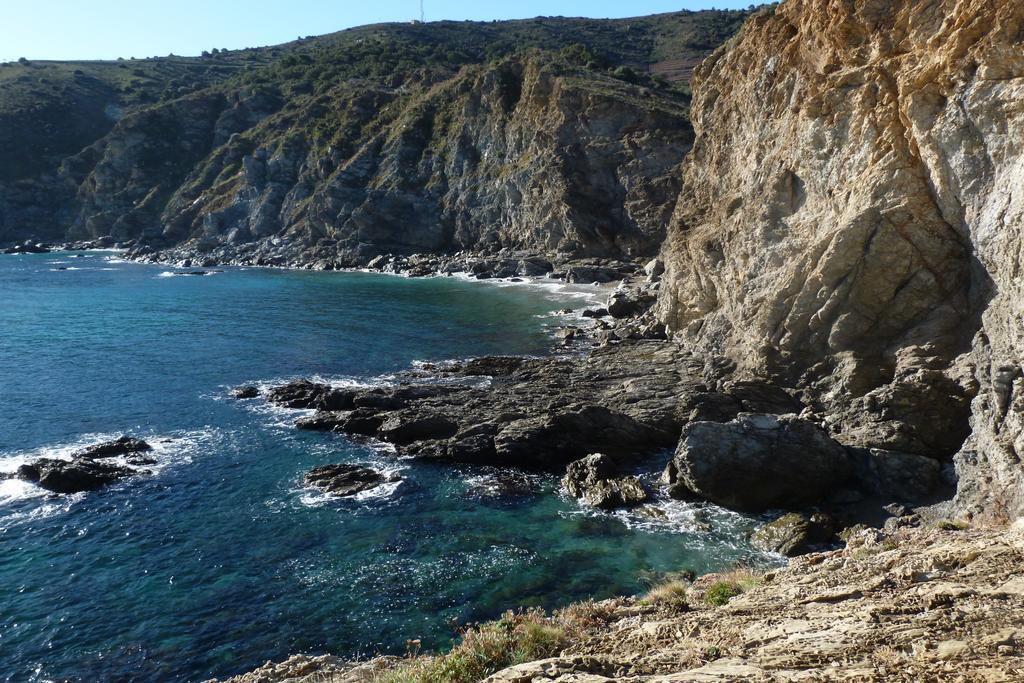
[(550, 134)]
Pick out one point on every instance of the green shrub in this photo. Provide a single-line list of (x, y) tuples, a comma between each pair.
[(721, 592)]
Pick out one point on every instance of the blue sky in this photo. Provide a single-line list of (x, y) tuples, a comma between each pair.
[(107, 29)]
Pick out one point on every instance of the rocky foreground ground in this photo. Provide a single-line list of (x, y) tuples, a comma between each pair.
[(907, 604)]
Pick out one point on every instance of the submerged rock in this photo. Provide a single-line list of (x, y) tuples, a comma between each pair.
[(757, 461), (345, 480), (593, 479), (72, 476)]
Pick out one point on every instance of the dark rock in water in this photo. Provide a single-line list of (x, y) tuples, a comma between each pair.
[(28, 247), (298, 394), (378, 399), (361, 421), (74, 476), (594, 312), (554, 438), (345, 480), (756, 462), (536, 413), (121, 446), (593, 479), (795, 534), (245, 392)]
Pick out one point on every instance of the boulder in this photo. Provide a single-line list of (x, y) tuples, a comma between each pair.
[(345, 479), (72, 476), (123, 445), (589, 274), (756, 462), (625, 302), (654, 269), (593, 479), (795, 534)]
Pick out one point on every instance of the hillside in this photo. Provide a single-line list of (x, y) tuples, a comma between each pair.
[(65, 125)]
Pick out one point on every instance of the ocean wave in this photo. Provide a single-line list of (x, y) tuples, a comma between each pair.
[(190, 273), (555, 290)]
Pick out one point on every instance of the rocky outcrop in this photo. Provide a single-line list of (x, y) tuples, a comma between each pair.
[(847, 226), (123, 445), (83, 471), (345, 480), (531, 413), (594, 479), (72, 476)]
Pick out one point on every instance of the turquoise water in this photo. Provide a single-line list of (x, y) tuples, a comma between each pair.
[(220, 560)]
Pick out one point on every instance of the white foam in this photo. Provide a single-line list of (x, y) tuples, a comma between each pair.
[(167, 450)]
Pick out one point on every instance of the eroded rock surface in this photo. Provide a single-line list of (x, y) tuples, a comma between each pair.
[(848, 225)]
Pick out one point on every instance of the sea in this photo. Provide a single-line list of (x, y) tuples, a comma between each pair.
[(220, 559)]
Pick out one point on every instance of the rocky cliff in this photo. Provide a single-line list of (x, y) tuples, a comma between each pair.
[(849, 226), (528, 152), (549, 134)]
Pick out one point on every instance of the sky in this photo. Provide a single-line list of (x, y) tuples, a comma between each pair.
[(108, 29)]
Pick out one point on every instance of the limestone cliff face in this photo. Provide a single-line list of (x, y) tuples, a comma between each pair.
[(851, 224), (526, 153)]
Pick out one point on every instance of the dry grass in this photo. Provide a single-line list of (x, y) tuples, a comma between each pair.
[(669, 593)]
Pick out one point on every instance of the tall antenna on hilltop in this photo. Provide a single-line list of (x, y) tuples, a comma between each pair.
[(421, 11)]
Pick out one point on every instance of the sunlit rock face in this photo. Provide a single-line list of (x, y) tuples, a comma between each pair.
[(850, 224)]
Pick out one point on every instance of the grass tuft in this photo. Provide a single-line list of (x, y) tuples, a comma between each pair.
[(730, 584), (485, 649), (670, 593)]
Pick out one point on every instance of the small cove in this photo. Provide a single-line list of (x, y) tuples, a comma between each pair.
[(221, 560)]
